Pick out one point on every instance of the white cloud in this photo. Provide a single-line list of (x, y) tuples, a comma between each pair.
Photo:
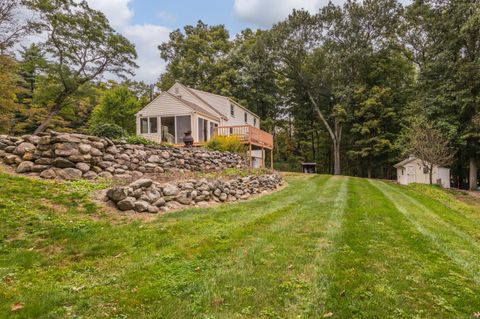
[(146, 37), (166, 16), (117, 11), (264, 13), (267, 12)]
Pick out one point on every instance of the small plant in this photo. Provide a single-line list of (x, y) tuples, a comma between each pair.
[(226, 144), (140, 140), (109, 130)]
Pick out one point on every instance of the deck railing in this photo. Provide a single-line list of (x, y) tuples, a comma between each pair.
[(247, 134)]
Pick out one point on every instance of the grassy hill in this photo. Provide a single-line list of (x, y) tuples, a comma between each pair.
[(322, 247)]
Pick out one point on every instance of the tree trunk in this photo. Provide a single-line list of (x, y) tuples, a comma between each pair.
[(336, 158), (369, 171), (472, 178), (53, 112), (430, 174)]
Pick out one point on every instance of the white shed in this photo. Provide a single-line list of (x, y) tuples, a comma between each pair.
[(412, 170)]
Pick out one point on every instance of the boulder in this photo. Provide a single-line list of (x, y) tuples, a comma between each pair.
[(25, 167), (84, 148), (39, 168), (84, 167), (117, 194), (184, 198), (106, 175), (160, 202), (141, 206), (61, 162), (126, 204), (69, 174), (152, 209), (90, 175), (66, 149), (48, 174), (24, 147), (12, 159), (143, 182), (223, 197), (95, 152), (170, 190)]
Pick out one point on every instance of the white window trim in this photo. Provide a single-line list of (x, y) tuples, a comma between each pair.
[(148, 124)]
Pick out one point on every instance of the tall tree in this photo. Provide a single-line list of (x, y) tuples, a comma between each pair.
[(197, 58), (444, 41), (325, 56), (81, 46)]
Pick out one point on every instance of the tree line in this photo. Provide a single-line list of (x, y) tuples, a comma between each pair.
[(354, 88)]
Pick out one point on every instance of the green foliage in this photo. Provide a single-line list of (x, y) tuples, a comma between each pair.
[(140, 140), (81, 45), (117, 106), (7, 93), (226, 144), (112, 131)]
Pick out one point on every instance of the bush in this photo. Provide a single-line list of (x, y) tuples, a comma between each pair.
[(140, 140), (225, 144), (109, 130)]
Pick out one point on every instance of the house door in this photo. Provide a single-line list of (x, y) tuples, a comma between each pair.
[(411, 175)]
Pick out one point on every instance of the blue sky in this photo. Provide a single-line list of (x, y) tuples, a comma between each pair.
[(147, 23)]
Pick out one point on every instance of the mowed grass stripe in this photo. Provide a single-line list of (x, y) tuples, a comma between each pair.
[(459, 246), (385, 268), (272, 274), (200, 254)]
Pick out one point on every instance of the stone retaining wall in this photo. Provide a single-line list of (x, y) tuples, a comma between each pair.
[(74, 156), (145, 195)]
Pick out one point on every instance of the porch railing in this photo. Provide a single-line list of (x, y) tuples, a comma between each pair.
[(247, 134)]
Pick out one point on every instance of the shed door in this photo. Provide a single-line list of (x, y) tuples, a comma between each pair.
[(411, 174)]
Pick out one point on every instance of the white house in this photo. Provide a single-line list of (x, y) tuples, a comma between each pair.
[(182, 109), (412, 170)]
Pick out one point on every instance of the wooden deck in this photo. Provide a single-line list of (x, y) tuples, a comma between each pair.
[(247, 134)]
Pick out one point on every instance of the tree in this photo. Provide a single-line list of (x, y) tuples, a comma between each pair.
[(81, 46), (13, 26), (7, 92), (429, 145), (442, 38), (325, 56), (196, 58), (117, 106)]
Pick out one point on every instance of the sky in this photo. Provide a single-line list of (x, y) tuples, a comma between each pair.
[(147, 23)]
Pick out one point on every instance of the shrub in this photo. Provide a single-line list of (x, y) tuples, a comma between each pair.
[(109, 130), (140, 140), (226, 144)]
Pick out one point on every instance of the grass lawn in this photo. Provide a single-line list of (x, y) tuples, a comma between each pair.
[(322, 247)]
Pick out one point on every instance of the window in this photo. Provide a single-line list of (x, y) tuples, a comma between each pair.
[(153, 125), (168, 129), (202, 130), (246, 117), (184, 124), (254, 121), (403, 171), (232, 110), (144, 125)]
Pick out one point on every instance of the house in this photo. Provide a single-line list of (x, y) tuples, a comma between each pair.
[(182, 109), (412, 170)]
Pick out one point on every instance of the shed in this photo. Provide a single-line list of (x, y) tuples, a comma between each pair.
[(412, 170)]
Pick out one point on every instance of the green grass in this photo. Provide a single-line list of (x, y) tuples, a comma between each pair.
[(351, 247)]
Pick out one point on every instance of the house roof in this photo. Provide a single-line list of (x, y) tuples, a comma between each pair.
[(194, 106), (405, 161), (211, 99)]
